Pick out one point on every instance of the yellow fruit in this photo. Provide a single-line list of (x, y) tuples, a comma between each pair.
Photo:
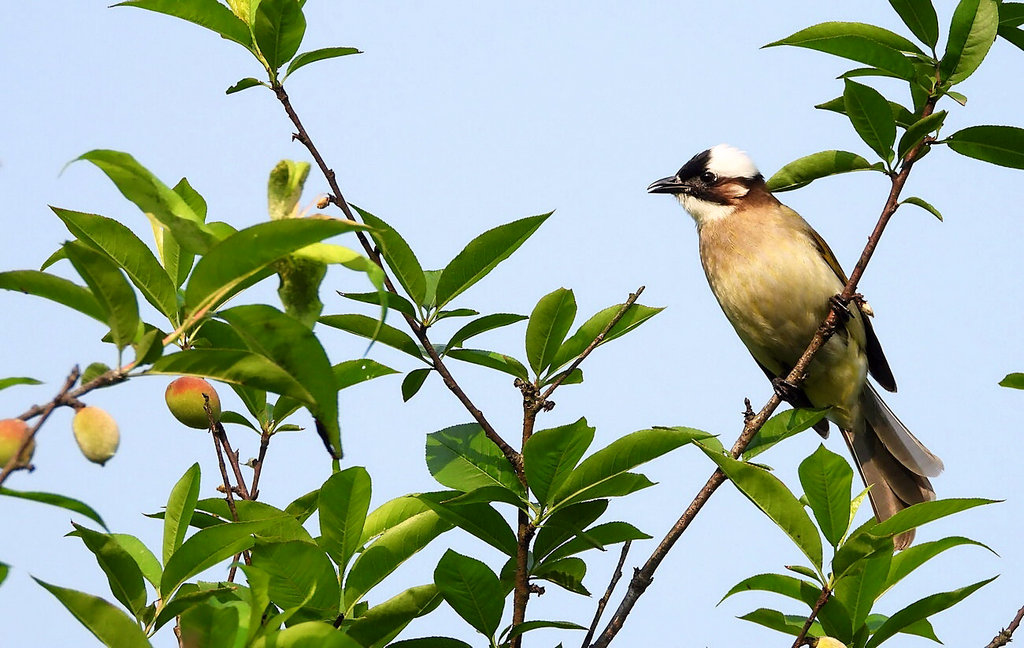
[(184, 398), (96, 433), (827, 642), (12, 434)]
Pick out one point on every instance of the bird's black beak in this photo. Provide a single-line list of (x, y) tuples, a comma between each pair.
[(670, 185)]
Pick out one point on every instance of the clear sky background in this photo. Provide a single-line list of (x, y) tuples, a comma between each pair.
[(464, 115)]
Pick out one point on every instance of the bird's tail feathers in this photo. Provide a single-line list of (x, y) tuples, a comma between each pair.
[(904, 446)]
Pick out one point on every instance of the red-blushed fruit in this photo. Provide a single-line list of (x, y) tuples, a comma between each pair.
[(184, 398), (96, 433), (12, 435)]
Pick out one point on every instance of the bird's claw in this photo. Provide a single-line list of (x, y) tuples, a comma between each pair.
[(785, 390), (840, 307)]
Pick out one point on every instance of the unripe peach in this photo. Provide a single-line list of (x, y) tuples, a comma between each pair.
[(96, 433), (12, 434), (827, 642), (184, 398)]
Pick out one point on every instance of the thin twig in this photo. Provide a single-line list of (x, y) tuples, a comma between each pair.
[(1005, 635), (643, 577), (418, 330), (62, 397), (616, 575), (820, 603), (257, 468), (236, 468)]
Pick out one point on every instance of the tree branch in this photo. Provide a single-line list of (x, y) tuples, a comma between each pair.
[(643, 577), (820, 603), (616, 575), (1006, 633)]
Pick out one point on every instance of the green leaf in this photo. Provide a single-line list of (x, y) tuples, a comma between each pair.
[(482, 325), (306, 58), (783, 584), (622, 455), (922, 609), (858, 546), (430, 642), (1013, 380), (140, 553), (827, 478), (54, 288), (809, 168), (971, 33), (860, 586), (588, 332), (598, 537), (920, 202), (1014, 35), (110, 625), (550, 456), (207, 548), (871, 117), (353, 372), (123, 573), (566, 523), (310, 634), (536, 625), (481, 256), (180, 505), (858, 42), (111, 290), (206, 13), (412, 382), (4, 569), (289, 344), (399, 256), (549, 324), (344, 502), (481, 520), (243, 84), (124, 248), (18, 380), (913, 557), (1002, 145), (472, 590), (919, 17), (232, 366), (53, 499), (301, 575), (463, 458), (242, 255), (784, 623), (187, 597), (567, 573), (391, 300), (780, 427), (153, 197), (491, 360), (917, 132), (284, 188), (370, 328), (901, 115), (390, 514), (775, 500), (278, 27), (925, 512), (385, 554), (386, 620), (619, 485)]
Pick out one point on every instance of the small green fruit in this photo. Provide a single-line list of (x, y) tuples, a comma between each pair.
[(12, 434), (184, 398), (96, 433)]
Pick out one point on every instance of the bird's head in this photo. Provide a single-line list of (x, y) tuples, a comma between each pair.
[(713, 183)]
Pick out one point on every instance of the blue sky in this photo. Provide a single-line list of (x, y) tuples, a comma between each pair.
[(460, 116)]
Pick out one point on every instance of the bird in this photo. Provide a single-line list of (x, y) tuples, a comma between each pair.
[(776, 280)]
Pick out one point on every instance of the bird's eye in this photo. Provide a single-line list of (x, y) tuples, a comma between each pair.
[(708, 177)]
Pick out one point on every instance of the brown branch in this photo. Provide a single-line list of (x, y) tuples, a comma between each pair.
[(643, 577), (420, 331), (616, 575), (1004, 636), (521, 595), (820, 603), (257, 468)]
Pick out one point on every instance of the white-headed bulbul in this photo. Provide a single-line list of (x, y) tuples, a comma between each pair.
[(774, 277)]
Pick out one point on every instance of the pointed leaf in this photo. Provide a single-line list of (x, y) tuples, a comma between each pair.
[(809, 168), (537, 625), (860, 586), (622, 455), (123, 573), (920, 202), (370, 328), (232, 366), (598, 537), (309, 634), (207, 548), (549, 324), (279, 27), (125, 249), (913, 557), (472, 590), (971, 33), (917, 132), (180, 504), (391, 300), (400, 257), (1002, 145), (54, 288), (54, 499), (922, 609), (243, 84), (588, 332), (775, 500), (567, 573), (618, 485), (550, 456), (306, 58), (858, 42), (301, 575), (18, 380), (1013, 381), (566, 523), (482, 325), (140, 553), (110, 625), (871, 117), (463, 458), (924, 512), (919, 16), (205, 13), (482, 255), (491, 360), (783, 584), (344, 502), (386, 620), (481, 520), (353, 372), (780, 427), (111, 290), (827, 479), (784, 623), (412, 382)]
